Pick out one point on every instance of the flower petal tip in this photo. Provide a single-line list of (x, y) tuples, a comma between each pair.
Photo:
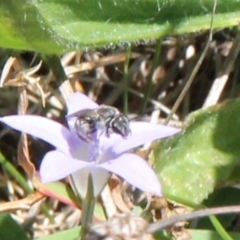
[(79, 101)]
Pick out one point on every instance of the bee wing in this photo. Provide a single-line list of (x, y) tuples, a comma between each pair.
[(84, 112)]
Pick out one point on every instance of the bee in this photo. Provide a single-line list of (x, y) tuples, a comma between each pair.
[(104, 118)]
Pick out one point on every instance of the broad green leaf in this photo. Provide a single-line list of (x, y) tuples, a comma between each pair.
[(55, 26), (209, 235), (71, 234), (10, 230), (221, 197), (196, 235), (203, 157)]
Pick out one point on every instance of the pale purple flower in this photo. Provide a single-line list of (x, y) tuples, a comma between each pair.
[(78, 158)]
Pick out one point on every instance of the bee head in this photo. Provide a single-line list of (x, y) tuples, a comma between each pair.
[(120, 125)]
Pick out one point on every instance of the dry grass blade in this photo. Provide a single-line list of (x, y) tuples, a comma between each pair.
[(98, 63), (108, 202), (23, 204), (195, 70), (66, 90), (159, 225), (23, 152), (14, 76), (223, 75), (11, 63)]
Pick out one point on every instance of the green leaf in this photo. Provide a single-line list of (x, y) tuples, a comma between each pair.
[(55, 26), (59, 191), (10, 230), (197, 235), (209, 235), (221, 197), (203, 157), (71, 234), (64, 193), (8, 166)]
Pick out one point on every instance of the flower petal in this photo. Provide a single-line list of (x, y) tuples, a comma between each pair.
[(78, 102), (56, 166), (99, 176), (141, 133), (45, 129), (136, 171)]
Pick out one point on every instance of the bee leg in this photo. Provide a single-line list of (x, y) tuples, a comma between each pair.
[(108, 132)]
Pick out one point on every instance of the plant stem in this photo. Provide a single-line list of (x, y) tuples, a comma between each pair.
[(126, 79), (88, 204)]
